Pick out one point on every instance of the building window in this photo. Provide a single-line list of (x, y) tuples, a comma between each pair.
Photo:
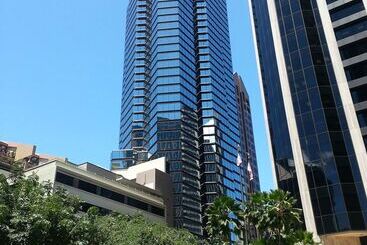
[(157, 211), (362, 118), (64, 179), (91, 188), (356, 48), (356, 71), (112, 195), (359, 94), (85, 186), (351, 28), (137, 204), (346, 10)]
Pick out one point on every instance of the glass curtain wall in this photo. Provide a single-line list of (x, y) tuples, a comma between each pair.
[(179, 99), (333, 176)]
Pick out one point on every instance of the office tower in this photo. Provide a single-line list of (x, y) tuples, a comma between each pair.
[(179, 101), (247, 146), (316, 143)]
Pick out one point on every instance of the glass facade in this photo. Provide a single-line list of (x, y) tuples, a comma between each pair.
[(178, 99), (281, 146), (247, 146), (349, 20), (126, 158), (217, 105), (334, 181)]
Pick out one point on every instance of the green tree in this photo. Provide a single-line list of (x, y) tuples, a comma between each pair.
[(137, 230), (35, 213), (276, 218), (222, 218)]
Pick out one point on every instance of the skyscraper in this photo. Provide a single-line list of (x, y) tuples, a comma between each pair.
[(179, 101), (316, 143), (247, 146)]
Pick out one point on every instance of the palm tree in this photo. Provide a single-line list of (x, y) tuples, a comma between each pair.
[(274, 215), (222, 217)]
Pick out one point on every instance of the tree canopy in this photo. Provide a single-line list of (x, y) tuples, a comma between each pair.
[(276, 218), (222, 219), (273, 214)]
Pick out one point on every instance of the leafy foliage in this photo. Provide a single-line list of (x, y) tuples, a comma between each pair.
[(138, 231), (222, 216), (273, 214), (299, 237), (276, 218), (34, 213)]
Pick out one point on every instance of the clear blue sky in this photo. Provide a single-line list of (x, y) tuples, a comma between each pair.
[(61, 73)]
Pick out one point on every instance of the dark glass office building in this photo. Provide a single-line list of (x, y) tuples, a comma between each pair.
[(179, 100), (247, 146), (306, 72)]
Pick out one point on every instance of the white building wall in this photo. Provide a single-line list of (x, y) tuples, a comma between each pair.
[(133, 171)]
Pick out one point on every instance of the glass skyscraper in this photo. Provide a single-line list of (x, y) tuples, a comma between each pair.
[(179, 100), (312, 66), (247, 145)]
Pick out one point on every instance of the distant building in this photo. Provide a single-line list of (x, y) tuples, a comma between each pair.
[(11, 152), (247, 145), (122, 159), (6, 158)]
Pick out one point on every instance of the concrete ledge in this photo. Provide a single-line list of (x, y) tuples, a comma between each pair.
[(349, 18), (357, 82), (344, 238), (338, 3), (355, 60), (364, 131), (352, 38), (361, 106)]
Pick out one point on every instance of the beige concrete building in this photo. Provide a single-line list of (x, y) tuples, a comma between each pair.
[(98, 187), (152, 174), (144, 188)]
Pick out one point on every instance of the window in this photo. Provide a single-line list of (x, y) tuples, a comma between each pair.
[(354, 49), (359, 94), (362, 118), (351, 28), (64, 179), (356, 71), (85, 186), (137, 204), (157, 211), (346, 10)]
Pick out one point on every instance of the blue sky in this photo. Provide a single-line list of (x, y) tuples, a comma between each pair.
[(61, 73)]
